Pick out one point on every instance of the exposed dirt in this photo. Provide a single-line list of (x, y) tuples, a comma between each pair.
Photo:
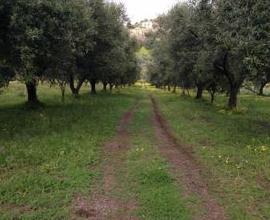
[(16, 209), (263, 182), (104, 204), (184, 167)]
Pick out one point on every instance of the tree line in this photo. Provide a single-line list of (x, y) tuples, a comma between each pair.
[(65, 42), (213, 45)]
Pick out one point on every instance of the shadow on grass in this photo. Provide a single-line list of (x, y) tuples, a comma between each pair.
[(21, 121), (249, 120)]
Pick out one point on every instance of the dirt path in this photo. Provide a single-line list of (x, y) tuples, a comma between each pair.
[(184, 167), (105, 202)]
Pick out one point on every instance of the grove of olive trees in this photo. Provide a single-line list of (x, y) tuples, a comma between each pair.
[(220, 45), (65, 42)]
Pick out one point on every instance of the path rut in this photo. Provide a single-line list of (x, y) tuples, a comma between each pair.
[(103, 204), (184, 167)]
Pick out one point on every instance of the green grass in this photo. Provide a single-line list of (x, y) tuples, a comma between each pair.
[(234, 148), (148, 176), (51, 154), (48, 155), (143, 52)]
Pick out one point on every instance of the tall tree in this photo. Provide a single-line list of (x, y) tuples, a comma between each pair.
[(44, 39), (106, 62), (259, 33), (233, 20), (70, 38)]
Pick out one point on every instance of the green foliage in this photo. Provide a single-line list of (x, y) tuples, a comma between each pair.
[(6, 74), (217, 44), (113, 58), (65, 42)]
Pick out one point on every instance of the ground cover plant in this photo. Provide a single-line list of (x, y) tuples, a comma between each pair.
[(233, 147), (57, 153), (148, 173), (49, 154)]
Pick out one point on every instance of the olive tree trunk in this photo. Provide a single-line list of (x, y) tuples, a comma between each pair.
[(31, 87), (262, 85), (233, 95), (75, 89), (93, 87), (199, 92), (105, 86)]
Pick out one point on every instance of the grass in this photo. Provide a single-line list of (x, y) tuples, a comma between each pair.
[(48, 155), (234, 148), (51, 154), (148, 175)]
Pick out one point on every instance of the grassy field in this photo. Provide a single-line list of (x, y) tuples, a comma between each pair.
[(50, 155), (234, 148)]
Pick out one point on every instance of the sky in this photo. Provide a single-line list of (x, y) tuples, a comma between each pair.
[(138, 10)]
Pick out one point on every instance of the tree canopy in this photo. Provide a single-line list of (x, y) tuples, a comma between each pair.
[(215, 45), (65, 42)]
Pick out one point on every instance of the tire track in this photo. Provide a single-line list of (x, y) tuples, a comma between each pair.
[(184, 167), (103, 204)]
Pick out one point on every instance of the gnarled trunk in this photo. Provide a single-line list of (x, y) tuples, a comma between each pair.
[(111, 87), (63, 91), (93, 86), (262, 85), (31, 87), (174, 89), (105, 86), (233, 93), (212, 97), (212, 91), (75, 89), (199, 91)]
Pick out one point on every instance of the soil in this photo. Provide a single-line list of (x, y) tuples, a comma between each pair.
[(185, 168), (104, 204), (16, 209)]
